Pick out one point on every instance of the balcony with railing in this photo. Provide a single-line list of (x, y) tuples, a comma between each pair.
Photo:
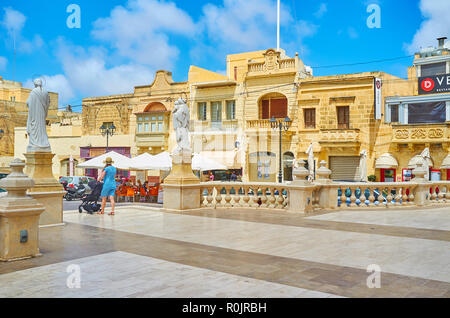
[(339, 136)]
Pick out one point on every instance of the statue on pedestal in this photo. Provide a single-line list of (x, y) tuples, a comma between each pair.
[(181, 127), (38, 104)]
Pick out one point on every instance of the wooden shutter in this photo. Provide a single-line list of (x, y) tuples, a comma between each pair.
[(310, 118), (343, 117), (278, 108), (265, 109)]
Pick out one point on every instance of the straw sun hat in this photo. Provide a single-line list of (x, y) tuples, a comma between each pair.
[(108, 160)]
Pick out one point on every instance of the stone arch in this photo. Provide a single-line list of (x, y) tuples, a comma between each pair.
[(273, 105), (155, 107), (288, 165)]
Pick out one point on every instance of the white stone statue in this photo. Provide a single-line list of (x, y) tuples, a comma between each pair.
[(363, 166), (38, 104), (310, 153), (426, 156), (181, 127)]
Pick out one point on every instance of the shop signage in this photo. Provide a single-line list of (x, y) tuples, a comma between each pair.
[(434, 84), (378, 98)]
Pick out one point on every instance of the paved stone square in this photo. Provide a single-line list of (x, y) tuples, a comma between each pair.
[(148, 252)]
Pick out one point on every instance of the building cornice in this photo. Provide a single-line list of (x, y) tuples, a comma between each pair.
[(431, 60), (417, 99)]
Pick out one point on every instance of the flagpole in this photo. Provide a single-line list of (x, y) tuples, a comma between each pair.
[(278, 26), (14, 57)]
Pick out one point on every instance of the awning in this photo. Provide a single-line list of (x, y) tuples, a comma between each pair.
[(140, 161), (120, 162), (231, 159), (386, 161), (416, 159), (446, 163), (204, 163), (162, 161)]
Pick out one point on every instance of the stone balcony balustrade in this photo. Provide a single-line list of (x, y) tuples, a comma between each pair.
[(342, 135), (421, 133)]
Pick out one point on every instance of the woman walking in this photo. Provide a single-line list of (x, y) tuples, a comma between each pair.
[(109, 185)]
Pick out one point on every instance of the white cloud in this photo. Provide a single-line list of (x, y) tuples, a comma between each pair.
[(436, 24), (87, 72), (247, 24), (58, 84), (3, 63), (14, 21), (306, 29), (140, 31), (321, 11)]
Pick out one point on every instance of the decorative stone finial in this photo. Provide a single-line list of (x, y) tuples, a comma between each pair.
[(17, 182), (323, 173)]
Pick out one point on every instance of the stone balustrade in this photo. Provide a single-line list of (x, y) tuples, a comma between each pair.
[(244, 195), (287, 64), (366, 195), (256, 67), (303, 196), (439, 192)]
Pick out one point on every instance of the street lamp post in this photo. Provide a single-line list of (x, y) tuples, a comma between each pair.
[(107, 131), (280, 125)]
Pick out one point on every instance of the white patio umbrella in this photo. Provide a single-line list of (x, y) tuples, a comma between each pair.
[(140, 161), (202, 163), (161, 161), (310, 153), (120, 161), (363, 166)]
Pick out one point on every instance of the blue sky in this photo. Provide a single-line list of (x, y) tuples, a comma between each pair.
[(122, 43)]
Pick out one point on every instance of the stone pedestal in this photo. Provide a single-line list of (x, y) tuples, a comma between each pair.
[(19, 217), (182, 187), (423, 187), (46, 190), (301, 193), (327, 193)]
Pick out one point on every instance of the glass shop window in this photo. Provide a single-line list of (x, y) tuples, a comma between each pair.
[(433, 69), (423, 113), (394, 114)]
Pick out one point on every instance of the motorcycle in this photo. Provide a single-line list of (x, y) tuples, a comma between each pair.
[(75, 193)]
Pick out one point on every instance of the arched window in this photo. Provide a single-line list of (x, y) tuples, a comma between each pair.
[(273, 105), (288, 165), (154, 119), (155, 108)]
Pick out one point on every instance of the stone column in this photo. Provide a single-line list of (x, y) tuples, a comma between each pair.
[(46, 190), (327, 192), (301, 192), (182, 187), (19, 217), (423, 188)]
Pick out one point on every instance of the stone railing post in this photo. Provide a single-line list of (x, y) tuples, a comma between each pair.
[(301, 192), (327, 193), (423, 186), (19, 216)]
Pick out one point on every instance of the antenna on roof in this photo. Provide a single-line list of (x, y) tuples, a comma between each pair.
[(14, 56)]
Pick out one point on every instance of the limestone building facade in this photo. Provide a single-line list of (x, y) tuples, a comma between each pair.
[(341, 116)]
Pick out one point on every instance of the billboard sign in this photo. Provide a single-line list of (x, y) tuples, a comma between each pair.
[(434, 84), (378, 98)]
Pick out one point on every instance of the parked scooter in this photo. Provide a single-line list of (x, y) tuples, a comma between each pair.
[(75, 193)]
